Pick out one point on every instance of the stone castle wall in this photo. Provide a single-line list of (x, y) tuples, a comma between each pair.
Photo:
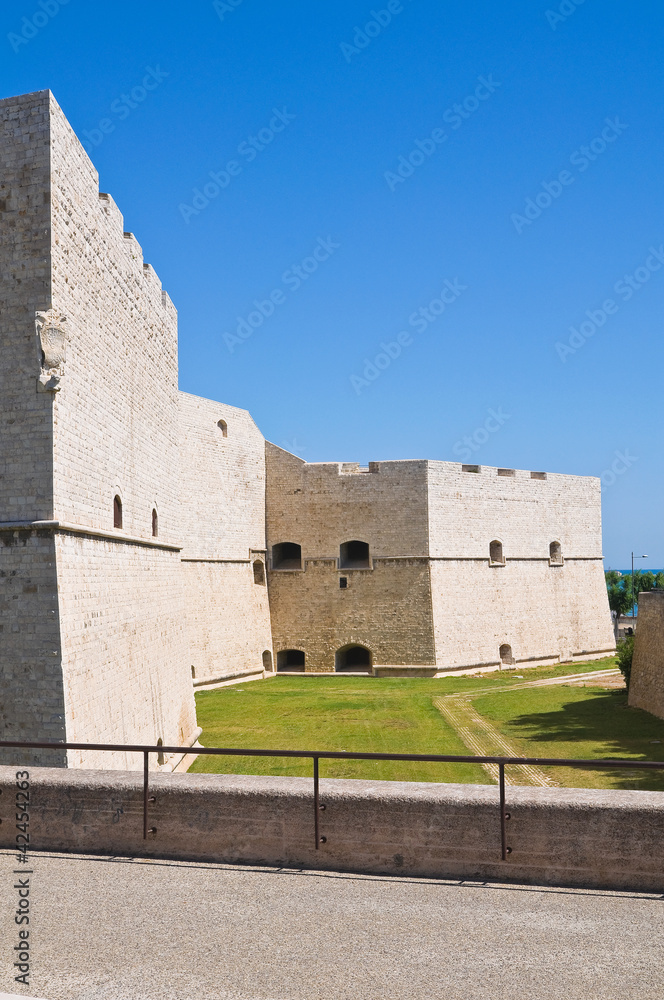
[(124, 647), (25, 286), (31, 690), (431, 596), (116, 423), (646, 688), (116, 432), (223, 524), (31, 694), (109, 426), (542, 611), (385, 608)]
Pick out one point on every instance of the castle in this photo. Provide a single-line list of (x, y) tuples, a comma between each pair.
[(153, 542)]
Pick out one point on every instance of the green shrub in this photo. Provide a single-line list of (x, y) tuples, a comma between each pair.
[(625, 653)]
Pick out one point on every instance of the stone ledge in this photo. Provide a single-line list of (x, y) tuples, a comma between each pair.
[(78, 529)]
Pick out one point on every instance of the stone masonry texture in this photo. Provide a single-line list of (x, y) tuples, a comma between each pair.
[(113, 610), (646, 686), (430, 595)]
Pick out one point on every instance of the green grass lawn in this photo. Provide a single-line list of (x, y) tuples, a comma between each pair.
[(337, 713), (397, 715), (579, 722)]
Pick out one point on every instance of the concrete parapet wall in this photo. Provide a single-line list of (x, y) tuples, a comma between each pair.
[(557, 836)]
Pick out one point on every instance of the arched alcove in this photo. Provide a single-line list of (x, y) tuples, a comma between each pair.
[(354, 555), (117, 512), (352, 659), (290, 659), (506, 656), (496, 553), (287, 555)]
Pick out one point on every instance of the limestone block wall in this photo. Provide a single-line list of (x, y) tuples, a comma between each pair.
[(646, 688), (321, 505), (431, 596), (116, 667), (31, 695), (31, 691), (116, 432), (385, 608), (542, 611), (25, 287), (223, 528), (228, 620), (124, 657), (116, 416)]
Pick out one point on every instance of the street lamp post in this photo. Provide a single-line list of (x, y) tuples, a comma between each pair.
[(633, 558)]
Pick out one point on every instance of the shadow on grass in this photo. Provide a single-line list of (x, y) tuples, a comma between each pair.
[(602, 726)]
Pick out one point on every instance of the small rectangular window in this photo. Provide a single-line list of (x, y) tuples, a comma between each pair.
[(471, 468), (538, 475), (343, 582)]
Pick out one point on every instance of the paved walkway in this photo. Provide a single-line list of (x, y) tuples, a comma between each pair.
[(481, 736), (122, 929)]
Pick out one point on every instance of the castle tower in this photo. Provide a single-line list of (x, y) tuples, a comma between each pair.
[(93, 645)]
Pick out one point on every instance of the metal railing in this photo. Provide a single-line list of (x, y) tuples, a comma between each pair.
[(317, 755)]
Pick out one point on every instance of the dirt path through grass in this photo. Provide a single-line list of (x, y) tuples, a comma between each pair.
[(482, 737)]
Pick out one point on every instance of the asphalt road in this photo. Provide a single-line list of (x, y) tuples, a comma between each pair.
[(122, 929)]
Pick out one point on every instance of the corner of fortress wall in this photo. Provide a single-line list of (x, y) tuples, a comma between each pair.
[(107, 425), (646, 687), (31, 690), (543, 612)]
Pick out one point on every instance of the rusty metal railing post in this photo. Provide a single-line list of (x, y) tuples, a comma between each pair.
[(316, 803), (145, 795), (503, 817)]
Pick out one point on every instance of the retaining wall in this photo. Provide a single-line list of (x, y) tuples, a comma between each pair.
[(557, 836)]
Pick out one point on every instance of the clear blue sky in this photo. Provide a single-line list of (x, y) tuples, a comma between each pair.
[(564, 109)]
